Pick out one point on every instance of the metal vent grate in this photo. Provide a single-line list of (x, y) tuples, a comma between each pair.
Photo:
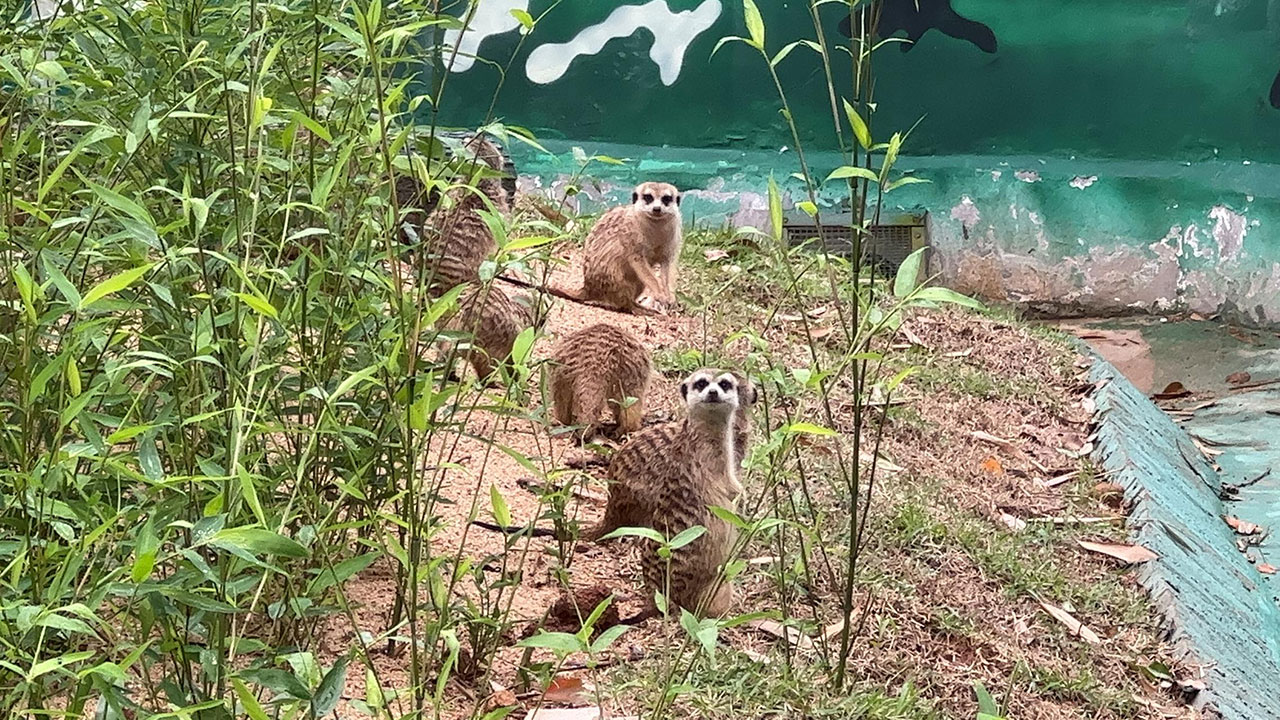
[(887, 246)]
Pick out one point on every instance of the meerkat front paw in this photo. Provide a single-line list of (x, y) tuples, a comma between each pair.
[(651, 305)]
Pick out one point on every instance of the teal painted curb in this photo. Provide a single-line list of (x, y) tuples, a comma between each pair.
[(1219, 611)]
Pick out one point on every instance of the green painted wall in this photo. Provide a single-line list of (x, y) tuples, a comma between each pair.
[(1095, 154)]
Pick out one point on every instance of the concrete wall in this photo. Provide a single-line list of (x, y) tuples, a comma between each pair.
[(1096, 154)]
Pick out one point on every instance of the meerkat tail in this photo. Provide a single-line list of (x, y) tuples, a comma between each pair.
[(521, 530), (562, 293)]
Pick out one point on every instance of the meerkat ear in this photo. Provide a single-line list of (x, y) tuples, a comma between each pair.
[(634, 196), (755, 394), (684, 391), (677, 199)]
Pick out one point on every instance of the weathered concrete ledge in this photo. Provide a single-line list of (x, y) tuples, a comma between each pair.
[(1073, 236), (1219, 611)]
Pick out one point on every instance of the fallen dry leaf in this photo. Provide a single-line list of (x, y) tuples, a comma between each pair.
[(778, 630), (1236, 378), (1242, 527), (1001, 443), (915, 339), (959, 353), (714, 254), (1057, 480), (1132, 554), (1267, 569), (993, 466), (1076, 627), (567, 690), (1241, 335), (500, 697), (1172, 391), (1012, 522), (819, 333), (763, 560)]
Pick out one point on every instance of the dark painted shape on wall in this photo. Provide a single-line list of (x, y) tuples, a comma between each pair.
[(904, 16)]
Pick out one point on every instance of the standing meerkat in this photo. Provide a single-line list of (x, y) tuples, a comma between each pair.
[(667, 477), (455, 238), (598, 366), (625, 246), (493, 319)]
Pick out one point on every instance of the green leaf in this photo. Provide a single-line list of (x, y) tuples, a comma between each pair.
[(52, 70), (706, 631), (248, 702), (26, 290), (907, 278), (522, 346), (341, 572), (57, 663), (149, 458), (730, 517), (525, 19), (849, 171), (138, 126), (558, 642), (257, 541), (144, 551), (607, 638), (279, 682), (501, 514), (60, 281), (686, 536), (316, 128), (986, 703), (72, 373), (897, 379), (905, 180), (947, 295), (808, 208), (114, 284), (755, 23), (259, 304), (330, 690), (643, 532), (775, 209), (859, 126), (804, 428), (249, 492), (352, 380), (123, 204)]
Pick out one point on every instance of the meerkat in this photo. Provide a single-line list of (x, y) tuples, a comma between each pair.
[(494, 319), (667, 477), (455, 237), (626, 244), (622, 251), (598, 366)]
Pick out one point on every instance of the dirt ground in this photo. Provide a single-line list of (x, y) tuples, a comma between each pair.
[(976, 506)]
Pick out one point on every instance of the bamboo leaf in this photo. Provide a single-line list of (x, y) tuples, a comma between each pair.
[(860, 129), (114, 284)]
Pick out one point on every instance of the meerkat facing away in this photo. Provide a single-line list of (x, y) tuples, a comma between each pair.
[(455, 238), (598, 366), (626, 244), (494, 319), (667, 477)]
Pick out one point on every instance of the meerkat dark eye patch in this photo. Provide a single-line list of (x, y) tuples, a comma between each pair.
[(700, 384), (648, 198), (726, 384), (666, 199)]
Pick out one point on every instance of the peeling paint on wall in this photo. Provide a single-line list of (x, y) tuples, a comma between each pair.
[(1229, 229)]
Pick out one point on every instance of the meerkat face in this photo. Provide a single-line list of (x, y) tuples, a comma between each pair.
[(711, 392), (656, 201)]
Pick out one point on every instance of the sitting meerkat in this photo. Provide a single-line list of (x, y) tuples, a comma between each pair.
[(600, 365), (667, 477), (494, 319), (626, 244), (455, 238)]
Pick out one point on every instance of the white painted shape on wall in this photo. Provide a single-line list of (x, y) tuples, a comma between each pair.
[(492, 17), (673, 32)]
